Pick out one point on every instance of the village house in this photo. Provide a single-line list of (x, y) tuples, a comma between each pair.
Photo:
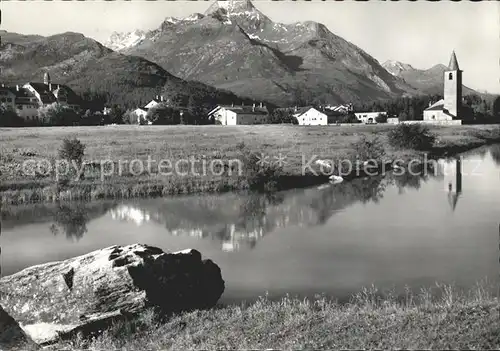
[(448, 109), (309, 116), (368, 117), (239, 115), (7, 97), (21, 100), (47, 93), (344, 108), (155, 102), (141, 113), (27, 99)]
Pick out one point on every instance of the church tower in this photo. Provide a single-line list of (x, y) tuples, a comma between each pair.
[(46, 78), (453, 88)]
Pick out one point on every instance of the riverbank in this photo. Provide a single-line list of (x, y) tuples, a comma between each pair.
[(216, 146), (444, 320)]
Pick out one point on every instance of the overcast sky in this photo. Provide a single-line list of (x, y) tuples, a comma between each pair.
[(419, 33)]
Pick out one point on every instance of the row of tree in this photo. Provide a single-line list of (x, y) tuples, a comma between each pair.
[(474, 107), (194, 109)]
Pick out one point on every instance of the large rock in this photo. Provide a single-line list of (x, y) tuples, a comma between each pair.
[(84, 293), (12, 337)]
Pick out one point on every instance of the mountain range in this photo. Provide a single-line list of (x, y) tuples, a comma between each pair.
[(85, 64), (427, 81), (231, 50), (236, 47)]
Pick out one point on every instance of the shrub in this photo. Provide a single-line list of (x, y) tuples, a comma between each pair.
[(369, 149), (411, 136), (56, 114), (261, 174), (72, 150), (381, 118), (349, 118)]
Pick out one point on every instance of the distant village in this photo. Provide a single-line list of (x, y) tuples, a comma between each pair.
[(27, 100)]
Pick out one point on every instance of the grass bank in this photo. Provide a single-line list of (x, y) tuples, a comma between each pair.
[(443, 320), (210, 144)]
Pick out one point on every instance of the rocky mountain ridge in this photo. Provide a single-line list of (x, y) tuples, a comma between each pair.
[(234, 46), (427, 81), (85, 64)]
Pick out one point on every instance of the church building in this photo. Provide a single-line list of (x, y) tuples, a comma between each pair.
[(449, 108), (47, 93)]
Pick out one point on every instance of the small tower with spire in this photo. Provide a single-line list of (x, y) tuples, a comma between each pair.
[(46, 80), (453, 87)]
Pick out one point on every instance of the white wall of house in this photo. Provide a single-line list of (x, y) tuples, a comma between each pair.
[(436, 115), (368, 117), (27, 112), (312, 117), (393, 120), (226, 117), (140, 113)]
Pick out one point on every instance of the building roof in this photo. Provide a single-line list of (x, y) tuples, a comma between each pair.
[(339, 108), (47, 95), (7, 89), (334, 113), (437, 106), (18, 93), (453, 65), (244, 109), (301, 110)]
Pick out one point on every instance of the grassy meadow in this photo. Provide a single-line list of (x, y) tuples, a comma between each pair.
[(203, 143), (439, 318)]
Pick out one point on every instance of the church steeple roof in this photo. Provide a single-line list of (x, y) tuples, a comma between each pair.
[(453, 65)]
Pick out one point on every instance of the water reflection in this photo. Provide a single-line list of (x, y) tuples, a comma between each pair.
[(389, 231), (495, 153), (239, 221), (455, 188), (71, 219)]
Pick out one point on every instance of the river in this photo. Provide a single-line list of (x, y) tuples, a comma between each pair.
[(390, 231)]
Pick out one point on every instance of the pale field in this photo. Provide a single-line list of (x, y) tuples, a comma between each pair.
[(197, 147), (177, 142)]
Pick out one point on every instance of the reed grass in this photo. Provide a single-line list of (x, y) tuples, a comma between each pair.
[(439, 318), (208, 142)]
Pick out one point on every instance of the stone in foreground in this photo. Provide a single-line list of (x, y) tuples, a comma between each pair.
[(85, 293), (12, 337)]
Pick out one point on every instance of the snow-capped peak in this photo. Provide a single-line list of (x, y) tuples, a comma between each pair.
[(191, 18), (234, 8), (119, 41), (395, 67)]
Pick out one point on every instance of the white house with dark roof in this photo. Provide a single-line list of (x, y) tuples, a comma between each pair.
[(368, 117), (155, 102), (239, 115), (20, 100), (309, 116), (141, 113), (47, 93)]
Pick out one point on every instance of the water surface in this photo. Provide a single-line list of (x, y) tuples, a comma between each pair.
[(391, 231)]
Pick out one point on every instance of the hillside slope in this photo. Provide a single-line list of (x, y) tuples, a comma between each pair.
[(85, 64), (427, 81), (238, 48)]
